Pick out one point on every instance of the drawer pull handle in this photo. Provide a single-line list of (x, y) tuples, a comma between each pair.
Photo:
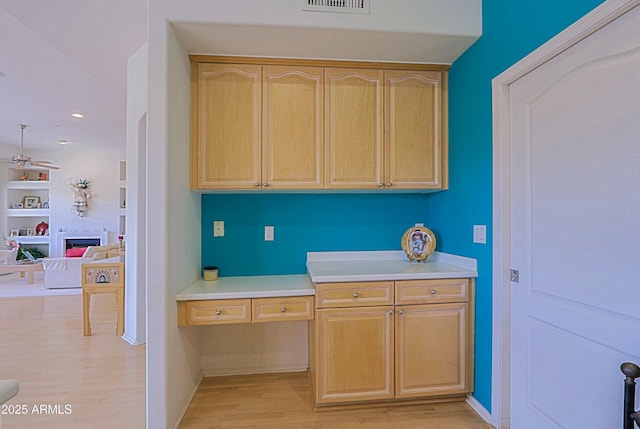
[(400, 311), (218, 312), (433, 291), (283, 309), (356, 294)]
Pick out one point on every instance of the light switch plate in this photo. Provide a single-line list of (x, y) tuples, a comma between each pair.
[(480, 234), (218, 228), (268, 233)]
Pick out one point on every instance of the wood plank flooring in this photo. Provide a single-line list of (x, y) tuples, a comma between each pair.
[(101, 377), (283, 401)]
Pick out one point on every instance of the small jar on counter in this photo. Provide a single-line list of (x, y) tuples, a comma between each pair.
[(210, 273)]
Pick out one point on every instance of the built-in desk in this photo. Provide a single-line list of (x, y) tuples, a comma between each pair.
[(251, 299)]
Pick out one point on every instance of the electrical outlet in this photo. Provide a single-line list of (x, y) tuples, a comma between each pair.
[(480, 234), (268, 233), (218, 228)]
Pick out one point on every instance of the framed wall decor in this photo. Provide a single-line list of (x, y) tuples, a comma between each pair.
[(31, 231), (14, 233), (17, 206), (30, 202)]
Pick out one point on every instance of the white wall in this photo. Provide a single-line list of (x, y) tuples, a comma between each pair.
[(173, 230), (135, 293)]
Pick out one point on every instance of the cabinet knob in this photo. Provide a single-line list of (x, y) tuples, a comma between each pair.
[(400, 311), (390, 312), (356, 294), (256, 184), (381, 185), (389, 184), (433, 291), (218, 312), (283, 309), (265, 184)]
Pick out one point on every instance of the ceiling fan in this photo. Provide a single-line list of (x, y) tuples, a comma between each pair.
[(23, 161)]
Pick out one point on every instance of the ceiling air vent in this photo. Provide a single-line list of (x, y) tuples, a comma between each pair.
[(340, 6)]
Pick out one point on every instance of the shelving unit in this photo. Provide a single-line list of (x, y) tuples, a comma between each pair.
[(123, 196), (21, 184)]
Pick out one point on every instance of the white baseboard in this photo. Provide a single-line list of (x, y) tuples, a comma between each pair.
[(186, 406), (219, 372), (132, 340), (480, 409)]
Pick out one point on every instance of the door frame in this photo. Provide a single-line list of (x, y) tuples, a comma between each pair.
[(501, 252)]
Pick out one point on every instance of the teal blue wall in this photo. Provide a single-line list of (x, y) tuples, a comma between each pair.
[(303, 223), (319, 222), (511, 30)]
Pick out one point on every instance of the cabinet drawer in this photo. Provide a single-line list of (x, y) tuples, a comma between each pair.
[(276, 309), (216, 312), (354, 294), (427, 291)]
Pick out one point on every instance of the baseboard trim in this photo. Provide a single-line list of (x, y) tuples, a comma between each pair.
[(480, 409), (132, 340), (186, 406), (220, 372)]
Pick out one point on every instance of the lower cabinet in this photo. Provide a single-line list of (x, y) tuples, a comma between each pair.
[(402, 351)]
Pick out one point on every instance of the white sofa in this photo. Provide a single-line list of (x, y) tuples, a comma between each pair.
[(65, 273)]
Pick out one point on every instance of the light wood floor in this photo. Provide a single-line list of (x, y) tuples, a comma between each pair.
[(101, 377), (283, 401)]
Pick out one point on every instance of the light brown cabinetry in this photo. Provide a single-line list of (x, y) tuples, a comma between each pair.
[(421, 347), (415, 129), (354, 124), (292, 134), (256, 126), (281, 124), (246, 310), (385, 129), (226, 126)]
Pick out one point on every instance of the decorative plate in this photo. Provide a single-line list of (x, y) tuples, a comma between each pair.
[(418, 243)]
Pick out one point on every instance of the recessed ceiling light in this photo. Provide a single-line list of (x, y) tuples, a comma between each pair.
[(77, 115), (61, 141)]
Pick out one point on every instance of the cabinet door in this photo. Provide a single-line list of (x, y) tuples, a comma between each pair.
[(353, 128), (415, 130), (292, 155), (226, 127), (431, 350), (354, 349)]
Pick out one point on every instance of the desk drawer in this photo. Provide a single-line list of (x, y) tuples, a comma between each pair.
[(432, 291), (282, 309), (215, 312), (354, 294)]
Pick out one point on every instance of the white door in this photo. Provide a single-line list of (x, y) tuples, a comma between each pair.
[(575, 231)]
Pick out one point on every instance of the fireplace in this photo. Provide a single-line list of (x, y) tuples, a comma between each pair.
[(68, 239), (70, 243)]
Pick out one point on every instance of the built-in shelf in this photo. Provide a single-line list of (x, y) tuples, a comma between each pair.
[(27, 212), (27, 205)]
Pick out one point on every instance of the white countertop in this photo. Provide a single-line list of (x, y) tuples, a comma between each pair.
[(331, 267), (248, 287)]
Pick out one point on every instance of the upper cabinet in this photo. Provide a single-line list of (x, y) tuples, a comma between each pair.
[(354, 128), (322, 125), (415, 130), (226, 126), (292, 118)]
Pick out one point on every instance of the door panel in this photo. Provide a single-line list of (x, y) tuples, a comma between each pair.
[(575, 205)]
